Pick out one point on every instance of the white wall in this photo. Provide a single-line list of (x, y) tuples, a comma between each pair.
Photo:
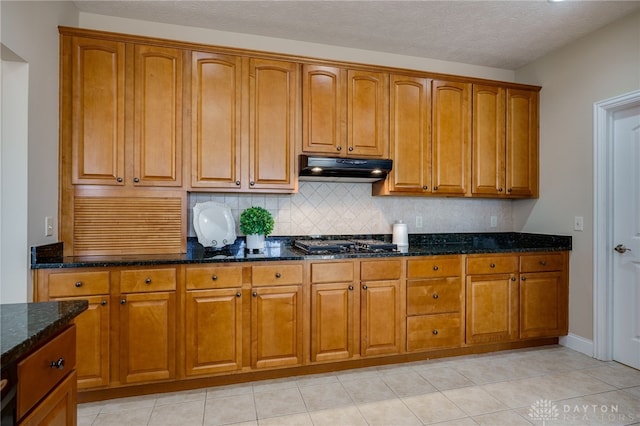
[(601, 65), (30, 30)]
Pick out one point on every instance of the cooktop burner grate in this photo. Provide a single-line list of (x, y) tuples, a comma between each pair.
[(344, 246)]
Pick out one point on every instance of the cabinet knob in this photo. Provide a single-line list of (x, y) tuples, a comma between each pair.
[(509, 190), (252, 183), (136, 180), (350, 288), (435, 332), (435, 268), (238, 294), (119, 179), (103, 303), (364, 287), (493, 265), (214, 277), (524, 278), (237, 183), (543, 262), (435, 188), (147, 281), (58, 364), (78, 284), (278, 275), (123, 301), (425, 187), (513, 278), (338, 148), (435, 295), (500, 189), (255, 294), (350, 148)]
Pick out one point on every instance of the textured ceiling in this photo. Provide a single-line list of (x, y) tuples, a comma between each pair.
[(502, 34)]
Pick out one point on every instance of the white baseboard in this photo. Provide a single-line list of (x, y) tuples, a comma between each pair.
[(577, 343)]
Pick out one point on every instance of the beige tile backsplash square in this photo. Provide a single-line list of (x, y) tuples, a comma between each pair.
[(327, 208)]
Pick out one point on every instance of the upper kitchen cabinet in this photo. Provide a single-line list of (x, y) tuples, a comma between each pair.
[(244, 123), (107, 79), (505, 142), (344, 112)]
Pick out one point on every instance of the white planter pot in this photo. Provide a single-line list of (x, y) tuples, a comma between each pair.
[(255, 242)]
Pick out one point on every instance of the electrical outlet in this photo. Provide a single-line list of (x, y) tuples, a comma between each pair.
[(578, 223), (48, 226), (418, 221), (494, 221)]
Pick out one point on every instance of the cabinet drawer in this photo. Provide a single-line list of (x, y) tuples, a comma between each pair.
[(332, 272), (142, 280), (36, 373), (276, 274), (214, 277), (542, 262), (435, 266), (434, 331), (492, 265), (438, 295), (374, 270), (69, 284)]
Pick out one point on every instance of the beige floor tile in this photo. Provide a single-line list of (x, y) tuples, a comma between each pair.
[(275, 384), (230, 390), (501, 418), (92, 407), (184, 414), (483, 371), (344, 416), (569, 385), (616, 374), (433, 408), (251, 423), (135, 402), (279, 402), (86, 420), (229, 409), (467, 421), (178, 397), (474, 400), (133, 417), (302, 419), (633, 391), (517, 393), (357, 374), (316, 379), (368, 389), (407, 384), (445, 378), (324, 396), (388, 412)]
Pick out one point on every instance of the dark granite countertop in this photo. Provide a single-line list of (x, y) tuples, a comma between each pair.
[(27, 325), (280, 248)]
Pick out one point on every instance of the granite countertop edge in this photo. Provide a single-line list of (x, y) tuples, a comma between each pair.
[(281, 249)]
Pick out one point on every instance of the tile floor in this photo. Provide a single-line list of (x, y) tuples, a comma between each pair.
[(548, 386)]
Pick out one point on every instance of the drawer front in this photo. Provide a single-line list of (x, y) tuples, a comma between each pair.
[(69, 284), (434, 331), (332, 272), (375, 270), (214, 277), (36, 373), (276, 274), (542, 262), (435, 266), (434, 296), (492, 265), (143, 280)]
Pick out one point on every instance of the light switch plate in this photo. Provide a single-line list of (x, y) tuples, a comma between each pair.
[(578, 223)]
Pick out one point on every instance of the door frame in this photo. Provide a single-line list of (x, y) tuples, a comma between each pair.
[(603, 126)]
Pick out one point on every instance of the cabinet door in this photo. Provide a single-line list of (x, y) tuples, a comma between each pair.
[(323, 110), (492, 308), (276, 326), (273, 106), (367, 113), (59, 408), (147, 336), (488, 164), (216, 83), (380, 317), (522, 143), (157, 129), (213, 331), (543, 305), (332, 321), (451, 137), (409, 135), (97, 111)]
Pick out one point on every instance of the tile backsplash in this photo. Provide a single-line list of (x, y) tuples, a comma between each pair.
[(327, 208)]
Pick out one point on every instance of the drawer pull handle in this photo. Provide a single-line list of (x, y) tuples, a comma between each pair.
[(238, 294), (59, 364), (103, 303), (364, 287), (435, 295), (543, 262), (147, 281), (524, 278), (435, 332), (435, 268), (78, 284), (255, 294), (123, 301), (214, 278), (493, 265), (278, 275)]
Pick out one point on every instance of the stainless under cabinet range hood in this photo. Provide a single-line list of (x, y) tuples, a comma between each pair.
[(343, 169)]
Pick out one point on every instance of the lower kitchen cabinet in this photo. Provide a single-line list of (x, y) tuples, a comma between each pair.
[(58, 408)]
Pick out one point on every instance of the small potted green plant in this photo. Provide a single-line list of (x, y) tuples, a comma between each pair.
[(255, 224)]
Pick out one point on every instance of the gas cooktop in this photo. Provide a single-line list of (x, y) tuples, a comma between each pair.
[(344, 246)]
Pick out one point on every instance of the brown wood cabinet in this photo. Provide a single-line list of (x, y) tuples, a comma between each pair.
[(435, 301), (505, 142), (59, 408), (344, 112), (214, 325)]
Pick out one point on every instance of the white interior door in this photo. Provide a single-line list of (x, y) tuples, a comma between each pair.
[(626, 237)]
